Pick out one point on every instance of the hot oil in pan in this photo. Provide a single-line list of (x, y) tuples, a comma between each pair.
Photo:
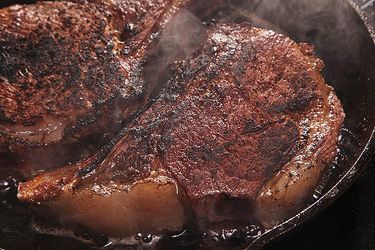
[(341, 40)]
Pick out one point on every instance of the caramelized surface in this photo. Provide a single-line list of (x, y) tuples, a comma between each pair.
[(230, 119), (71, 74)]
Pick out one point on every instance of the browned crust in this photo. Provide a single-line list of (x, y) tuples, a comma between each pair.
[(228, 120), (61, 62), (78, 64)]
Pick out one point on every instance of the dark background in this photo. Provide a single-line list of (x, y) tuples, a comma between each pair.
[(349, 224)]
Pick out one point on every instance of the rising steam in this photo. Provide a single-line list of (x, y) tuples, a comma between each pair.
[(181, 37)]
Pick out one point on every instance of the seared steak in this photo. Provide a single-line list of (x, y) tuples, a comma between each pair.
[(248, 111), (71, 74)]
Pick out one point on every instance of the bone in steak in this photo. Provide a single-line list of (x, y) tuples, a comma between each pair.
[(71, 74), (247, 117)]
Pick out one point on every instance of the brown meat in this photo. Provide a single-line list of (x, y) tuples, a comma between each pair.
[(71, 74), (234, 118)]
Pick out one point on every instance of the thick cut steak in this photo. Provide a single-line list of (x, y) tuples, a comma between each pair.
[(247, 117), (71, 74)]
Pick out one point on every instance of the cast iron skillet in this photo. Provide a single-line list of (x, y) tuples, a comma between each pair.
[(343, 35)]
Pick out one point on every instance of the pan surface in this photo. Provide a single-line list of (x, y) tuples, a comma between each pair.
[(343, 35)]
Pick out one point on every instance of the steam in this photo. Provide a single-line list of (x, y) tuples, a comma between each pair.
[(332, 26), (320, 22), (180, 38)]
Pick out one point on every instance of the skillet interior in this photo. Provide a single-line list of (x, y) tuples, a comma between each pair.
[(344, 43)]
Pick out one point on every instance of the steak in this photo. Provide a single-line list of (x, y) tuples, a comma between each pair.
[(71, 75), (247, 117)]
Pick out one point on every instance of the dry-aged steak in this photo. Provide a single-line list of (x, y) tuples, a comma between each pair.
[(247, 117), (71, 74)]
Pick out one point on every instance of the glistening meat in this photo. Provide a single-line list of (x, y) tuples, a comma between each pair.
[(247, 117), (71, 75)]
